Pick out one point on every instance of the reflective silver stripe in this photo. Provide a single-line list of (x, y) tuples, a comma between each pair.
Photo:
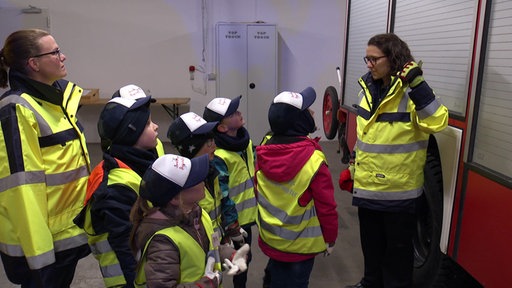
[(101, 247), (390, 149), (361, 94), (67, 177), (111, 270), (402, 107), (214, 213), (42, 260), (21, 178), (71, 242), (246, 204), (12, 250), (44, 128), (429, 110), (240, 188), (402, 195), (282, 215), (309, 232), (34, 262), (60, 245)]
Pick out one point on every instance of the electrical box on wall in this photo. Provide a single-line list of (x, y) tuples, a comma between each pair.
[(247, 65)]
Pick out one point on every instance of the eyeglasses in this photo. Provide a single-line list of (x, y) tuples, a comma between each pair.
[(53, 53), (372, 60)]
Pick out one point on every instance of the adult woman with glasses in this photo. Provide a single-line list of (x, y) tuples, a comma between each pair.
[(46, 164), (395, 117)]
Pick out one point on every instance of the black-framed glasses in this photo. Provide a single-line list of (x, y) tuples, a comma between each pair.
[(372, 60), (53, 53)]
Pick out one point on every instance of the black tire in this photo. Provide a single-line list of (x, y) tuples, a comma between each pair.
[(428, 258), (330, 108)]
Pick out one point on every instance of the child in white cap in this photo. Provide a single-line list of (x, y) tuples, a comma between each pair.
[(135, 92), (235, 163), (193, 136), (129, 138), (297, 216), (175, 236)]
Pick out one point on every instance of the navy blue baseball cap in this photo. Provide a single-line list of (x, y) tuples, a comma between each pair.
[(302, 100), (123, 120), (187, 125), (170, 174), (219, 108), (288, 114)]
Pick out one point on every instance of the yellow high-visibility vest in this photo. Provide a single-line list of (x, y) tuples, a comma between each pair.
[(192, 256), (283, 224), (241, 182)]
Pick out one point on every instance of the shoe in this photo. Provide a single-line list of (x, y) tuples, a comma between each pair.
[(358, 285)]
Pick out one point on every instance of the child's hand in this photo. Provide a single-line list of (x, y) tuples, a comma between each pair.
[(210, 273), (236, 234)]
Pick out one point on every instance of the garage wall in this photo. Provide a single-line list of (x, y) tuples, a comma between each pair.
[(152, 43)]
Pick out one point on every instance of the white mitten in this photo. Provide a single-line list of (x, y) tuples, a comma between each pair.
[(238, 263)]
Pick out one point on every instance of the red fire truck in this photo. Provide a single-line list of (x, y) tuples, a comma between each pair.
[(464, 237)]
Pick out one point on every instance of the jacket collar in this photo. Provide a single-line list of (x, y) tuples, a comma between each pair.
[(49, 93)]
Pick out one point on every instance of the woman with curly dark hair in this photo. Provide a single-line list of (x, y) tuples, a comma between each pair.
[(395, 117)]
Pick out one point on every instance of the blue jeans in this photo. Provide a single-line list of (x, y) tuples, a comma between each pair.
[(290, 274)]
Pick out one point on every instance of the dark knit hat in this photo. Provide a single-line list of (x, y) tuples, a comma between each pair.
[(219, 108), (123, 119), (288, 114), (170, 174)]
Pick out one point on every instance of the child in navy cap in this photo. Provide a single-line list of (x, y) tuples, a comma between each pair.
[(193, 136), (292, 179), (128, 138), (175, 237), (135, 92), (235, 163)]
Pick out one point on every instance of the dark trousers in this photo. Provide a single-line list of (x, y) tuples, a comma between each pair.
[(57, 275), (290, 274), (387, 244), (240, 280)]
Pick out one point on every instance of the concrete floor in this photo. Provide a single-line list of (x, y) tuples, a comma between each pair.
[(343, 267)]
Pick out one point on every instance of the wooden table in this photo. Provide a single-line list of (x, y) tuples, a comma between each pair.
[(171, 105)]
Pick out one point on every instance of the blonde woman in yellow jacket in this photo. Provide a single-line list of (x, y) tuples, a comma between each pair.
[(45, 163)]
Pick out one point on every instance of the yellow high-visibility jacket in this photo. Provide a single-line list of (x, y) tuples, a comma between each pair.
[(392, 140), (43, 175)]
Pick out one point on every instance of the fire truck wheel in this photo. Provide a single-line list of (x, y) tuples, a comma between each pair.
[(330, 108), (427, 254)]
